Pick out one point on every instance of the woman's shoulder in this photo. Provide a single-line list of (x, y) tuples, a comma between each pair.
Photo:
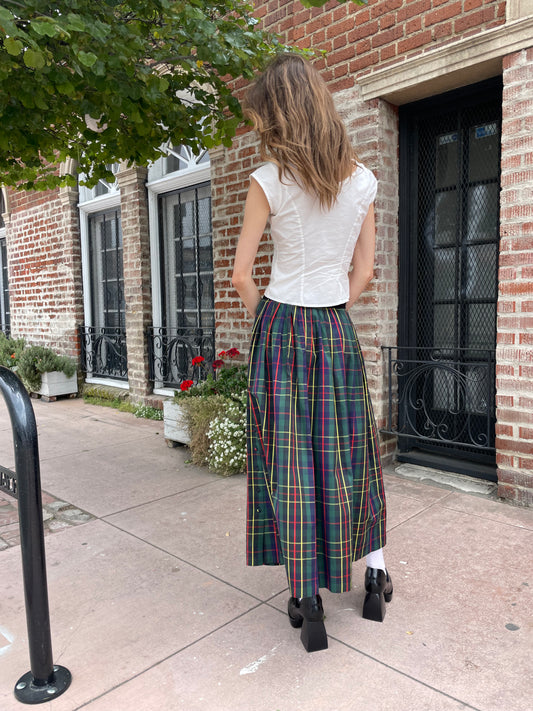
[(268, 170), (361, 185), (362, 173), (364, 182)]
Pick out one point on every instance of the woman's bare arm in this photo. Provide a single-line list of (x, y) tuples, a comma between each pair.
[(363, 258), (256, 212)]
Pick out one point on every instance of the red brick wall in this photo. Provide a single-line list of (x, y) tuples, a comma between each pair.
[(359, 38), (44, 260), (514, 356)]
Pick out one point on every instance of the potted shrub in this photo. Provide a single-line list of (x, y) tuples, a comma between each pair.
[(44, 372), (10, 350), (210, 415)]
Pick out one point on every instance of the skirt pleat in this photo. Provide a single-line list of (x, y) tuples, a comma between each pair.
[(315, 487)]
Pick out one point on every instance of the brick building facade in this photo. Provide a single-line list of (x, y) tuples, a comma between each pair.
[(438, 98)]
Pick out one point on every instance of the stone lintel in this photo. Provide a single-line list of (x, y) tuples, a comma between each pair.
[(448, 67)]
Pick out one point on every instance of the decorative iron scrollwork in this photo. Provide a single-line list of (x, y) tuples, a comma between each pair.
[(442, 395), (103, 352), (171, 352)]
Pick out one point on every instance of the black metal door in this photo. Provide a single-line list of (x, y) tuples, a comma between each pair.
[(449, 236)]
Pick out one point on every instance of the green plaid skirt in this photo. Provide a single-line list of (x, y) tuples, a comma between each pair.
[(315, 487)]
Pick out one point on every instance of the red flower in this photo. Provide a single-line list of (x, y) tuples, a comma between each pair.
[(217, 364), (233, 352), (186, 384), (13, 355), (222, 354), (197, 360)]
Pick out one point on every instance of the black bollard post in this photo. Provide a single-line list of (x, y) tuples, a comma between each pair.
[(44, 681)]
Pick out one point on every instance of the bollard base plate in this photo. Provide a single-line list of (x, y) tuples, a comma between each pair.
[(27, 692)]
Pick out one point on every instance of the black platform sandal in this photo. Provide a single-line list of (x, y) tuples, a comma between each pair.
[(308, 614), (378, 586)]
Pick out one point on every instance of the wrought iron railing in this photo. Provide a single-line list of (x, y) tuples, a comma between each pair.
[(443, 396), (171, 351), (103, 352)]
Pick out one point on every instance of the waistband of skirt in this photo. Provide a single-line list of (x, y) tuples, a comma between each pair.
[(299, 306)]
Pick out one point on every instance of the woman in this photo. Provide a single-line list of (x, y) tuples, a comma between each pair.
[(315, 490)]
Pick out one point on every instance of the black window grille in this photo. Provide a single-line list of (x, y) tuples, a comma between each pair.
[(458, 230), (188, 302), (171, 351), (107, 272), (5, 322), (104, 341)]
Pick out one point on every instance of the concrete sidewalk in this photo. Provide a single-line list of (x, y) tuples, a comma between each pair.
[(153, 609)]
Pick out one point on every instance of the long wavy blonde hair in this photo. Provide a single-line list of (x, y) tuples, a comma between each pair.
[(293, 113)]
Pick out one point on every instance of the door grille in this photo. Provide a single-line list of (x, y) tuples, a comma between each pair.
[(443, 368)]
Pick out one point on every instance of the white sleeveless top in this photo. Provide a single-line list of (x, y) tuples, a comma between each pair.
[(313, 247)]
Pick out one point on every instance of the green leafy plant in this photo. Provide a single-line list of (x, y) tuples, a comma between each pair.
[(148, 412), (226, 380), (36, 360), (10, 350)]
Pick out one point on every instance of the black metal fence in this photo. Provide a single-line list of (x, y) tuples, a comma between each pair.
[(103, 352), (171, 351), (442, 396)]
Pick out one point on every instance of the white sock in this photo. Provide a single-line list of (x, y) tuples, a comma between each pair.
[(376, 560)]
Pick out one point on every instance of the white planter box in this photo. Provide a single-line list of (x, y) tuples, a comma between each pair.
[(57, 383), (175, 424)]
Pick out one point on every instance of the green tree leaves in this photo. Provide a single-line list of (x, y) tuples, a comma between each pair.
[(110, 80), (13, 46), (34, 59)]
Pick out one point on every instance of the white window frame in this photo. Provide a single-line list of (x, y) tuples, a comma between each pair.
[(193, 173), (90, 206)]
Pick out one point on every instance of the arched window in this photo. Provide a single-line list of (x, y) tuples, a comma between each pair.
[(101, 188), (177, 160)]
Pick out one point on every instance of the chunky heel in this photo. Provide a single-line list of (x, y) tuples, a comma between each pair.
[(374, 607), (378, 586), (308, 614), (313, 636)]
